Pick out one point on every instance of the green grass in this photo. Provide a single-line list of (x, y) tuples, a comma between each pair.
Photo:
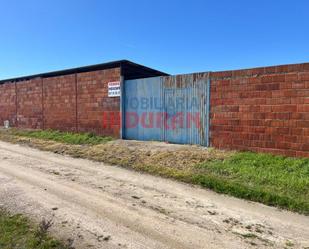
[(63, 137), (16, 232), (273, 180)]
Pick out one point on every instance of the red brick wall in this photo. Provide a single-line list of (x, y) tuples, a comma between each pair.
[(60, 103), (29, 104), (7, 103), (263, 109), (97, 112), (77, 102)]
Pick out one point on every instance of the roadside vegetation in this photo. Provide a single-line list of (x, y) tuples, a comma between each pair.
[(18, 232), (273, 180), (64, 137)]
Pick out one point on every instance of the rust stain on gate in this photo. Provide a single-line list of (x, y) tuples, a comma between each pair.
[(184, 108)]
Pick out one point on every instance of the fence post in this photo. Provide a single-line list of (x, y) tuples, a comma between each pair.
[(122, 108), (208, 110)]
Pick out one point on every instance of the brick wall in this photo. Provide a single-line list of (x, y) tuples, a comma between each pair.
[(97, 112), (7, 103), (29, 104), (263, 109), (60, 103), (76, 102)]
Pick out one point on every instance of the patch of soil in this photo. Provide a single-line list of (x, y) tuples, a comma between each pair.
[(129, 153)]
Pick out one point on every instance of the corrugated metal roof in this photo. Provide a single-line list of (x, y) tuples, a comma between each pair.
[(129, 70)]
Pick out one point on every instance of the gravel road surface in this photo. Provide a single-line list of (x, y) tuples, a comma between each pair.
[(102, 206)]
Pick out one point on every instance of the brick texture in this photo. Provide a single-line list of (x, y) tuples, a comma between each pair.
[(263, 109), (76, 102), (60, 103), (7, 103), (97, 112), (29, 104)]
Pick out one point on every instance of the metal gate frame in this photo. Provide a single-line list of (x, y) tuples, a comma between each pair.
[(203, 77)]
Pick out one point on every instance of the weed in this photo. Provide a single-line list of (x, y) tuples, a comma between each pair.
[(17, 232), (273, 180), (64, 137), (42, 230), (289, 243)]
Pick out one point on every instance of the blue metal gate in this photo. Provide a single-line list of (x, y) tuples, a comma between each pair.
[(172, 108), (142, 103)]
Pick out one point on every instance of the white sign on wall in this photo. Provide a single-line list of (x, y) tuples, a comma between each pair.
[(114, 89)]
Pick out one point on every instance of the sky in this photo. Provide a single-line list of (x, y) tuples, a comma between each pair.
[(169, 35)]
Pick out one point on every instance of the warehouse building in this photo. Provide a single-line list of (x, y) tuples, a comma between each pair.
[(262, 109), (69, 100)]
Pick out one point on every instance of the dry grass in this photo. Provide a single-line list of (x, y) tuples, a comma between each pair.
[(273, 180), (18, 232), (131, 154), (181, 159)]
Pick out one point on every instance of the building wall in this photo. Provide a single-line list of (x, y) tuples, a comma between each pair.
[(76, 102), (60, 103), (263, 109), (97, 112), (8, 103), (29, 104)]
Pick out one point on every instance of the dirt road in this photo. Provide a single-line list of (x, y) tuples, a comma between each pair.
[(101, 206)]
